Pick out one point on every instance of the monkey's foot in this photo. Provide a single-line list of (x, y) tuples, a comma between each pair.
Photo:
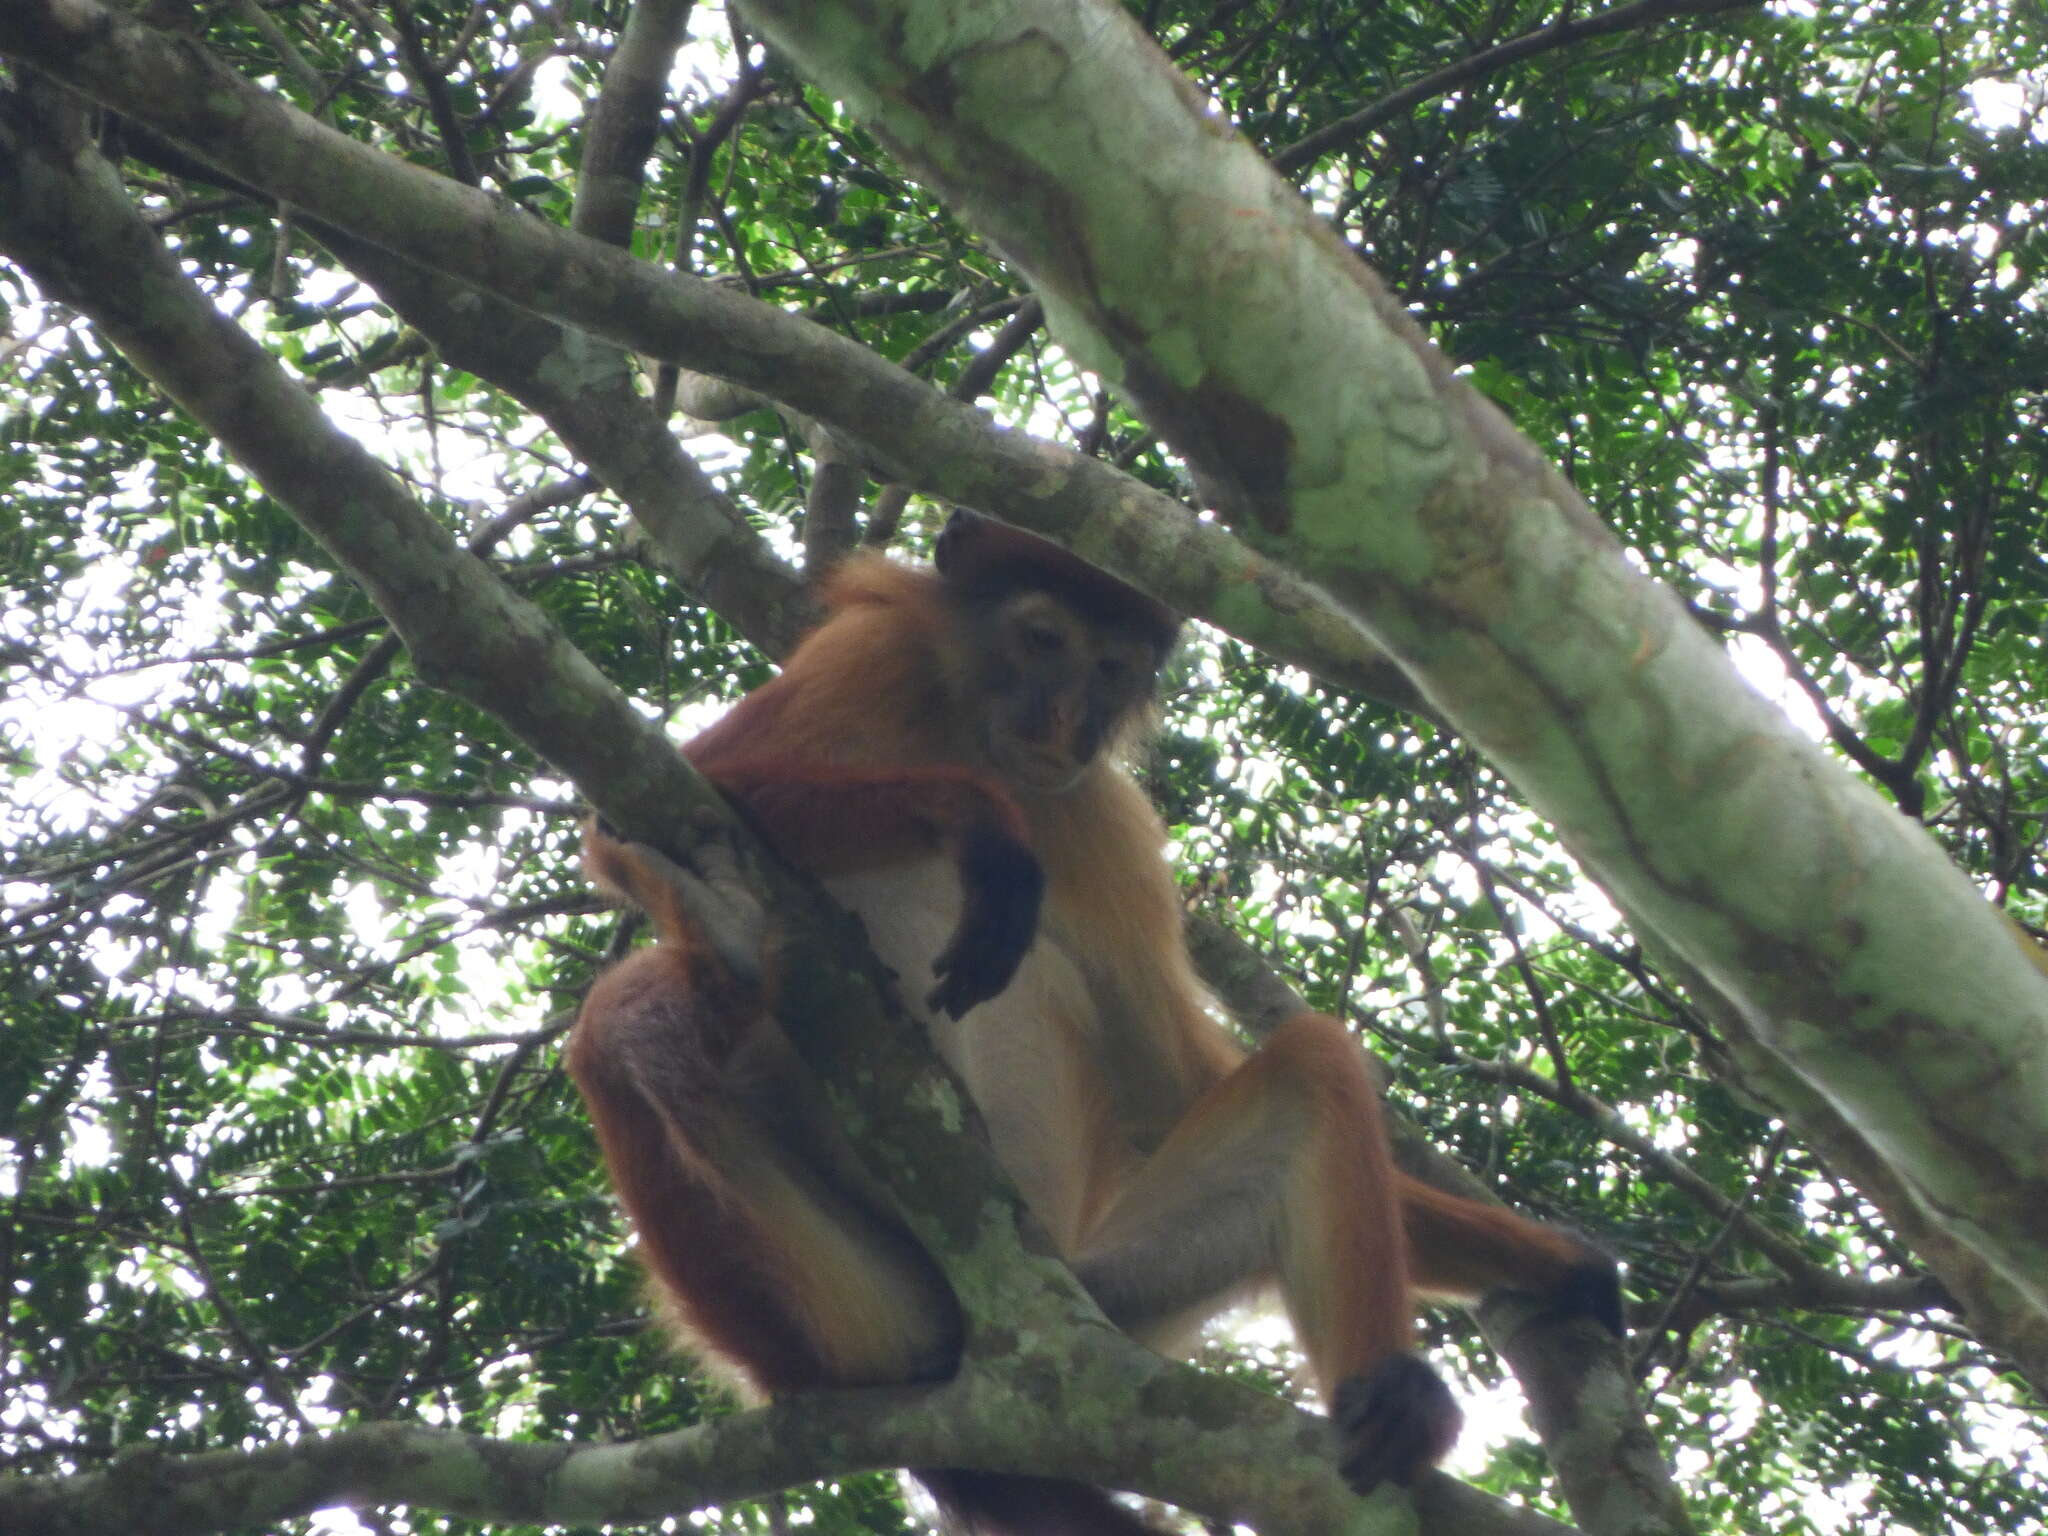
[(714, 892), (1395, 1424)]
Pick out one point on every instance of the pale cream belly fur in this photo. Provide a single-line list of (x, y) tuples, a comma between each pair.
[(1024, 1055)]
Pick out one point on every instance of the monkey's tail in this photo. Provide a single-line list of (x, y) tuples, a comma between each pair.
[(1007, 1504)]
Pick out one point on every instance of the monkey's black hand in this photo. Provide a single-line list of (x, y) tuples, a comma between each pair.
[(1001, 885), (1591, 1289), (1394, 1425)]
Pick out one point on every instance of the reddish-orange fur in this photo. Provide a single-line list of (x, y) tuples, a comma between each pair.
[(1172, 1170)]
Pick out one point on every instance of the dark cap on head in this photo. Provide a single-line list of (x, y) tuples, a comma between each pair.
[(984, 558)]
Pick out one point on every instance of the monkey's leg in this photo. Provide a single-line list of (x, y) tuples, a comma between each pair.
[(1282, 1167), (1458, 1247), (754, 1223), (765, 1242)]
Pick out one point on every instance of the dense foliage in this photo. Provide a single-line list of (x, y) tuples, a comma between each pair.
[(291, 938)]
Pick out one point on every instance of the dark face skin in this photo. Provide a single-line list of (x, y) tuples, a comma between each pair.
[(1056, 687)]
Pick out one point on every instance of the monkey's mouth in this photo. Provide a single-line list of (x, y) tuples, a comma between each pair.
[(1043, 770)]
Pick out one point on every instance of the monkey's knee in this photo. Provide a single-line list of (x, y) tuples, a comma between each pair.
[(1318, 1054), (658, 1023)]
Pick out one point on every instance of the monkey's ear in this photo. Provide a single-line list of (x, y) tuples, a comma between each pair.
[(962, 529)]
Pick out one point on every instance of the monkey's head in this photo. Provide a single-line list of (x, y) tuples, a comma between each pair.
[(1064, 656)]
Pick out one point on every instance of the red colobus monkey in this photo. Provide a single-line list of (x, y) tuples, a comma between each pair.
[(943, 752)]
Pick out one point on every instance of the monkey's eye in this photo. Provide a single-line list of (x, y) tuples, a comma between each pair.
[(1041, 640), (1112, 669)]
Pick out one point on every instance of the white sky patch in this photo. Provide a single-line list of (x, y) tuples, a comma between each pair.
[(2003, 105), (1840, 1507), (110, 956), (146, 1270), (1764, 671), (220, 909), (1741, 1409), (485, 1004), (285, 991), (555, 103), (52, 724), (1494, 1416), (1760, 666), (368, 921)]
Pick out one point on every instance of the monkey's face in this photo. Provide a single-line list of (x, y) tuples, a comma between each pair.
[(1057, 688)]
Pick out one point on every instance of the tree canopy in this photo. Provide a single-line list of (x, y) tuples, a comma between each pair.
[(339, 479)]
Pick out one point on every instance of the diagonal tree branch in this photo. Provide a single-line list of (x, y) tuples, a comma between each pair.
[(586, 391)]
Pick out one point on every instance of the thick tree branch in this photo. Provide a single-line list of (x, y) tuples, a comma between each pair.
[(1261, 1463), (837, 479), (1998, 1312)]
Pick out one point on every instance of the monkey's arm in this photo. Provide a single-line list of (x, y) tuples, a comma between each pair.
[(837, 820), (834, 820)]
